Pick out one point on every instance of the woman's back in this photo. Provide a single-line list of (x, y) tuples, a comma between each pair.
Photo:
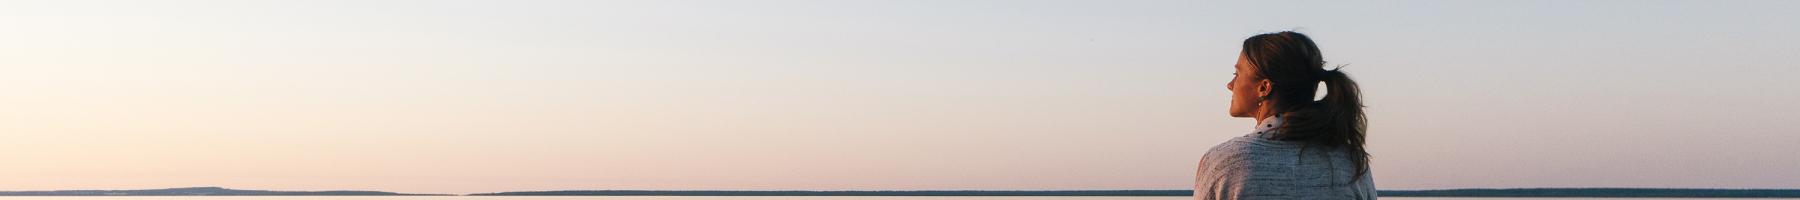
[(1251, 167)]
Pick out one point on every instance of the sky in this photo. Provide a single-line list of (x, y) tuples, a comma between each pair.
[(435, 96)]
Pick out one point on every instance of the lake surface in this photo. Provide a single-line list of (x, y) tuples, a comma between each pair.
[(719, 198)]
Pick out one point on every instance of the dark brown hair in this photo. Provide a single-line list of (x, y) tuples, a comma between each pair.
[(1294, 66)]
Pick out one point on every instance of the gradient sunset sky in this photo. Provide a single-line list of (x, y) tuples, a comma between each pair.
[(437, 96)]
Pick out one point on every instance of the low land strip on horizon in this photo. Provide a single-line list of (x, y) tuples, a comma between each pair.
[(1476, 192)]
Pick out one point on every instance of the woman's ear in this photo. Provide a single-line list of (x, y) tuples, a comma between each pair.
[(1264, 87)]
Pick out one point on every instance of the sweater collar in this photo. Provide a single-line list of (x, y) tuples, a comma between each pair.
[(1268, 126)]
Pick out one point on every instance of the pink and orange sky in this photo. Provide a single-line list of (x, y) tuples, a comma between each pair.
[(486, 96)]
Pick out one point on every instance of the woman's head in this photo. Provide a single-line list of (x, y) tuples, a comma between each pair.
[(1278, 74)]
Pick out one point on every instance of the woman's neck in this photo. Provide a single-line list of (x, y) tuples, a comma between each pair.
[(1265, 114)]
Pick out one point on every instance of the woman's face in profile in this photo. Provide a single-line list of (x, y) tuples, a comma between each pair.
[(1246, 88)]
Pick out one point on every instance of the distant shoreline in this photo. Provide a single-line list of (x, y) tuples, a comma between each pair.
[(205, 191), (1475, 192), (846, 193), (1480, 192)]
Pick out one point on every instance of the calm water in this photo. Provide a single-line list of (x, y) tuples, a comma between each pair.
[(741, 198)]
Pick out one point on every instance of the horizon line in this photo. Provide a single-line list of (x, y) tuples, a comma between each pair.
[(990, 191), (944, 189)]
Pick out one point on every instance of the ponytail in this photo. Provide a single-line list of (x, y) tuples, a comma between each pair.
[(1343, 117)]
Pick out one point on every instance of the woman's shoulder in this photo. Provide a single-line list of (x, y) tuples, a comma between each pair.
[(1237, 149), (1235, 144), (1249, 143), (1248, 150)]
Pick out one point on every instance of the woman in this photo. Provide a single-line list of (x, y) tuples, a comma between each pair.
[(1300, 148)]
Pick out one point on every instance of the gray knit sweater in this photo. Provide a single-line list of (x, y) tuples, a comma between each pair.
[(1253, 167)]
